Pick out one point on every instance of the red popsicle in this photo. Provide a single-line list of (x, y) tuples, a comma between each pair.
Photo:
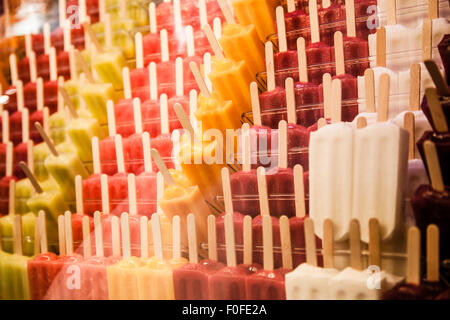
[(117, 183), (284, 59), (92, 194), (24, 150), (51, 86)]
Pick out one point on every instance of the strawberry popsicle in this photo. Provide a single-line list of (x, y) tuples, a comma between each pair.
[(329, 14), (117, 183), (284, 59), (191, 281)]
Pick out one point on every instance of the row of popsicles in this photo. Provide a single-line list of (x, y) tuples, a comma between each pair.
[(154, 276)]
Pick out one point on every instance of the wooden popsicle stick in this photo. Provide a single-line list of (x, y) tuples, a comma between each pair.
[(281, 29), (68, 102), (87, 249), (53, 65), (192, 238), (132, 200), (48, 141), (179, 86), (126, 83), (33, 68), (92, 37), (207, 65), (176, 239), (12, 198), (339, 53), (248, 241), (184, 120), (413, 262), (369, 86), (267, 243), (101, 10), (327, 96), (13, 68), (302, 60), (193, 108), (286, 249), (227, 191), (427, 39), (72, 63), (282, 144), (432, 253), (37, 238), (177, 14), (5, 126), (60, 99), (361, 123), (157, 239), (256, 110), (262, 192), (381, 47), (68, 232), (350, 18), (139, 48), (17, 234), (83, 10), (123, 8), (213, 42), (437, 113), (28, 45), (374, 243), (355, 245), (125, 228), (299, 191), (47, 39), (61, 236), (229, 240), (105, 193), (30, 159), (153, 81), (336, 96), (39, 93), (310, 243), (434, 167), (328, 245), (164, 45), (95, 156), (290, 5), (162, 167), (111, 118), (152, 18), (314, 21), (409, 125), (98, 231), (190, 44), (143, 222), (79, 195), (119, 153), (438, 79), (20, 97), (84, 66), (67, 36), (414, 87), (212, 239), (43, 231), (290, 101), (391, 12), (383, 98), (108, 32), (115, 232), (433, 9), (45, 119), (9, 159), (31, 177), (147, 152), (137, 114), (246, 152), (227, 13), (326, 3), (270, 68), (199, 79), (217, 27), (159, 191), (202, 13)]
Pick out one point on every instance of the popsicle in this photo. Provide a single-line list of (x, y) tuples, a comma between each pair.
[(91, 192), (6, 180), (63, 167), (366, 170), (191, 281), (325, 144), (284, 58), (430, 201), (29, 89), (443, 45), (51, 86), (237, 218), (7, 221), (43, 57), (24, 150), (15, 119), (258, 13), (295, 18), (308, 281), (267, 284), (117, 183)]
